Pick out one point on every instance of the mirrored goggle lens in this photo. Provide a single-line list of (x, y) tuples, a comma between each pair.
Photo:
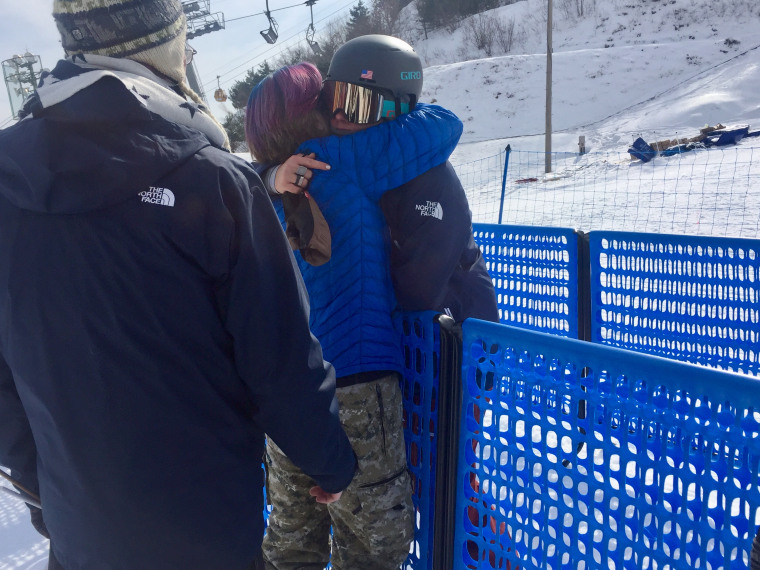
[(360, 104)]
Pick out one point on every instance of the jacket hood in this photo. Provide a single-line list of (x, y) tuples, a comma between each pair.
[(90, 151)]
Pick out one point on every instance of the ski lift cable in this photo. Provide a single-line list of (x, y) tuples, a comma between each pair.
[(236, 67), (283, 46), (263, 54), (310, 4), (270, 48), (264, 13)]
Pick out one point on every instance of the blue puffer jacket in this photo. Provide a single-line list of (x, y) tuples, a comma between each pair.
[(352, 295)]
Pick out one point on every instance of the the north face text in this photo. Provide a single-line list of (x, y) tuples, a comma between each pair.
[(433, 209), (156, 195)]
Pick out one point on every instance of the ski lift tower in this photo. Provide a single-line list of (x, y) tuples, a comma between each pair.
[(21, 74), (200, 20)]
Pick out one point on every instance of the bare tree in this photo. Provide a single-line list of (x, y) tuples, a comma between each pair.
[(385, 17), (480, 32), (577, 8), (505, 33)]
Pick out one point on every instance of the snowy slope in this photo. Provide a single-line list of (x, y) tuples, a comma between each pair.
[(615, 75)]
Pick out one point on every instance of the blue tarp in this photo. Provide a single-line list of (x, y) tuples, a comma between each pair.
[(722, 137), (644, 152), (641, 150)]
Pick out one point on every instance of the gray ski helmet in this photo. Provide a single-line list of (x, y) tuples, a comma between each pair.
[(379, 62)]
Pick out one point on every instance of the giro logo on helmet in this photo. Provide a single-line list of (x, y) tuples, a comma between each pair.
[(405, 75)]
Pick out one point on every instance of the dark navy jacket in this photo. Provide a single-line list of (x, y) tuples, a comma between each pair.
[(152, 327), (435, 262)]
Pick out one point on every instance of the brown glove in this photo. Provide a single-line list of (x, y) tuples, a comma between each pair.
[(306, 228)]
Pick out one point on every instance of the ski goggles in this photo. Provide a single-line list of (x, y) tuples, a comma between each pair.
[(361, 105)]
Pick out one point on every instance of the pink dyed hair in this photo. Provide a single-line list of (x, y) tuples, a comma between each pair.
[(283, 111)]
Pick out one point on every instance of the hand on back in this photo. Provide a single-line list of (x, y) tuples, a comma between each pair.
[(296, 172)]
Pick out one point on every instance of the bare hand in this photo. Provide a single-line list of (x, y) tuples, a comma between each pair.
[(296, 172), (323, 496)]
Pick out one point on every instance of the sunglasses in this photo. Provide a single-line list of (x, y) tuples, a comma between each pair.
[(189, 53), (361, 105)]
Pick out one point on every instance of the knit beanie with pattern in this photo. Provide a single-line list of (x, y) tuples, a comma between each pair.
[(151, 32)]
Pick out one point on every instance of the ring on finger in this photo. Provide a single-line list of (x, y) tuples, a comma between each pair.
[(299, 177), (301, 170)]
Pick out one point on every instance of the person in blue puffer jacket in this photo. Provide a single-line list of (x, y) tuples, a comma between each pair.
[(352, 299)]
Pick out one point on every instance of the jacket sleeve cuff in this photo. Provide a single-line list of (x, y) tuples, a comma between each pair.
[(268, 180), (337, 485)]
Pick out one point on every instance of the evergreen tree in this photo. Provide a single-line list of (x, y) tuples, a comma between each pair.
[(240, 90), (358, 22), (428, 12), (470, 7), (436, 13), (234, 124)]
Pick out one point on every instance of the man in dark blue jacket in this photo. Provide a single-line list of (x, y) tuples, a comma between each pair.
[(435, 262), (153, 324)]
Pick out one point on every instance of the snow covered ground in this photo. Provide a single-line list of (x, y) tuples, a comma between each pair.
[(657, 69)]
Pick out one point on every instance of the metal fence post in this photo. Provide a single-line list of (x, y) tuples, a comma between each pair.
[(449, 404), (584, 286), (504, 180)]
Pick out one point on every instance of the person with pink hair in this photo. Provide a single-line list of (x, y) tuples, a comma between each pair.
[(352, 301)]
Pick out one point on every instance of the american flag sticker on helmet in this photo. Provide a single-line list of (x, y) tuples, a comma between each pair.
[(366, 74)]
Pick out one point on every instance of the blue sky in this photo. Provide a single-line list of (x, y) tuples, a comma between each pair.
[(28, 26)]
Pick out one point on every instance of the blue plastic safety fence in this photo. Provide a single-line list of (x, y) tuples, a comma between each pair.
[(667, 478), (689, 298), (419, 386), (535, 273)]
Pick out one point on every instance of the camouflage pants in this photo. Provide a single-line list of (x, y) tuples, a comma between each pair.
[(372, 522)]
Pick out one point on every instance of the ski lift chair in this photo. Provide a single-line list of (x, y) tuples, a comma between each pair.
[(310, 30), (310, 40), (270, 34), (219, 94)]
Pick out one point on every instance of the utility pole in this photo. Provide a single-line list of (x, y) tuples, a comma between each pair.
[(548, 134), (21, 74)]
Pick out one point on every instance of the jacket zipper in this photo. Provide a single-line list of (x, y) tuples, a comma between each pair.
[(382, 416), (384, 481)]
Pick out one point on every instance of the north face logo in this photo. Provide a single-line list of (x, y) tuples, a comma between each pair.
[(155, 195), (433, 209)]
